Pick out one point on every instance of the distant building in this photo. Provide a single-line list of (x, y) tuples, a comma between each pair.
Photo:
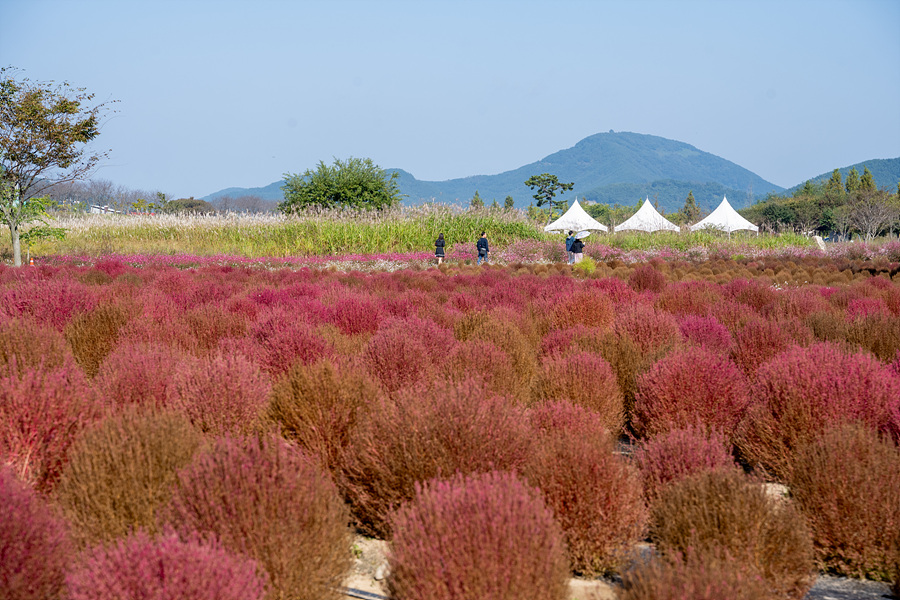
[(104, 210)]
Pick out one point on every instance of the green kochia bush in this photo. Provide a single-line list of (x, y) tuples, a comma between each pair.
[(265, 499), (847, 485), (482, 536)]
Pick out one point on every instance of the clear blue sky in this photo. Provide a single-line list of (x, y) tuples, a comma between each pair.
[(214, 94)]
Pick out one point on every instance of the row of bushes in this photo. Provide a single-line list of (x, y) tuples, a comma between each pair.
[(390, 381)]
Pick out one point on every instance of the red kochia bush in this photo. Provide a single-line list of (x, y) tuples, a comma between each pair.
[(585, 379), (138, 374), (691, 387), (653, 331), (221, 394), (263, 498), (805, 391), (594, 493), (758, 341), (482, 536), (678, 453), (647, 278), (425, 433), (476, 359), (397, 358), (34, 545), (281, 340), (141, 568), (706, 332), (41, 413), (847, 485)]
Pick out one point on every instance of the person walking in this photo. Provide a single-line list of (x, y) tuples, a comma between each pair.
[(569, 253), (482, 247), (439, 248), (577, 250)]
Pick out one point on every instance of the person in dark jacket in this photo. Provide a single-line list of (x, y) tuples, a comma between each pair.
[(569, 241), (439, 248), (577, 250), (482, 247)]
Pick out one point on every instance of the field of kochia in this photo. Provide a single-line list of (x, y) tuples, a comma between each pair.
[(224, 417)]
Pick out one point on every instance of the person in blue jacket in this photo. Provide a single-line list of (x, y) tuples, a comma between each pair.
[(569, 241), (482, 247)]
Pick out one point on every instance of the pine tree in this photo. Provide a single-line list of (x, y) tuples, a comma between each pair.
[(509, 203), (690, 212), (834, 189), (852, 181), (476, 202), (867, 183)]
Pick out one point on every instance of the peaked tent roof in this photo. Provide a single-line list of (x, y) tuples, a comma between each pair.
[(725, 218), (648, 219), (575, 219)]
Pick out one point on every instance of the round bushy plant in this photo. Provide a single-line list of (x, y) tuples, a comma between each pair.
[(678, 453), (316, 406), (696, 577), (647, 278), (141, 568), (653, 331), (482, 536), (425, 433), (220, 394), (723, 511), (477, 359), (264, 499), (41, 413), (585, 379), (690, 387), (594, 493), (137, 373), (707, 333), (805, 391), (847, 485), (34, 544), (121, 471)]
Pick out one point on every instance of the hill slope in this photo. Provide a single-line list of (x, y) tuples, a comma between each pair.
[(606, 167), (885, 172)]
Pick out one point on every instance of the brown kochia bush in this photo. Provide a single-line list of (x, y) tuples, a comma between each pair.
[(93, 335), (725, 512), (483, 536), (316, 406), (426, 433), (121, 471), (695, 577), (263, 498), (585, 379), (847, 485), (594, 493)]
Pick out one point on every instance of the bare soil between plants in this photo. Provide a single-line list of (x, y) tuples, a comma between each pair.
[(370, 567)]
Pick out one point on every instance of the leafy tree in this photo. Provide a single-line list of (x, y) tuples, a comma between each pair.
[(476, 201), (189, 205), (354, 183), (852, 181), (690, 212), (545, 187), (44, 129), (509, 203)]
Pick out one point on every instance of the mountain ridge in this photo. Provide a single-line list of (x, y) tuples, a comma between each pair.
[(611, 168)]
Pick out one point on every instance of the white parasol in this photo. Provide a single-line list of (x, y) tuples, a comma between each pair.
[(582, 234)]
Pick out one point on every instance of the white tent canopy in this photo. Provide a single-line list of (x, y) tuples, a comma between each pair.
[(575, 219), (725, 218), (648, 219)]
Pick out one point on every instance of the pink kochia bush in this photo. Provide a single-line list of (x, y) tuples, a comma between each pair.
[(41, 413), (265, 499), (691, 387), (805, 391), (678, 453), (220, 394), (138, 374), (34, 545), (487, 535), (141, 568), (707, 333), (425, 433)]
